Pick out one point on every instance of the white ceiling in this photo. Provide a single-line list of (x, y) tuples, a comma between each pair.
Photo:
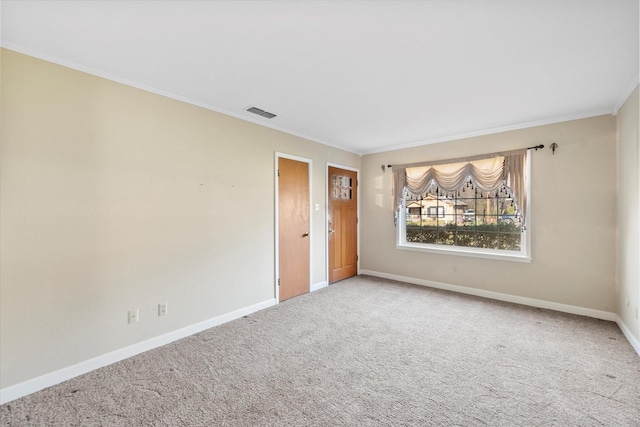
[(360, 75)]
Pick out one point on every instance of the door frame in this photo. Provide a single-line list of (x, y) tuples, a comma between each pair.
[(278, 155), (326, 215)]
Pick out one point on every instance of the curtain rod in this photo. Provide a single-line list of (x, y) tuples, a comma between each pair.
[(535, 147)]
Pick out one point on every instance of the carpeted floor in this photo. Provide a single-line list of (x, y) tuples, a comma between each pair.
[(368, 352)]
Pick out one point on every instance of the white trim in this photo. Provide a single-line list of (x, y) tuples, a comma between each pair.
[(531, 302), (627, 333), (549, 305), (499, 129), (337, 165), (523, 255), (318, 286), (626, 95), (16, 391), (326, 213), (465, 251), (309, 162), (242, 115)]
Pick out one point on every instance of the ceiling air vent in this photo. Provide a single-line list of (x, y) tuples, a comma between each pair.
[(260, 112)]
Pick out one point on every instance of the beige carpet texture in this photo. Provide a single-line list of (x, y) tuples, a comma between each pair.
[(364, 352)]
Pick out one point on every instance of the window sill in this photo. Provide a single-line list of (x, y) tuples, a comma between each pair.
[(463, 251)]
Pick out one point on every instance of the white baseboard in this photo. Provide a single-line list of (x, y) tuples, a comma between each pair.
[(16, 391), (572, 309), (627, 333), (318, 285), (565, 308)]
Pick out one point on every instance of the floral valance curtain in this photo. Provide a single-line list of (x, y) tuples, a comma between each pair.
[(488, 173)]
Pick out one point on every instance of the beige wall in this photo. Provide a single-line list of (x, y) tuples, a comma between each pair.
[(114, 198), (573, 217), (629, 214)]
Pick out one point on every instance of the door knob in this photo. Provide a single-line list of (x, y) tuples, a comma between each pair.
[(331, 230), (306, 234)]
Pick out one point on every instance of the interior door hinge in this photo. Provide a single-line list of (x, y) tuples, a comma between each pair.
[(278, 172), (278, 282)]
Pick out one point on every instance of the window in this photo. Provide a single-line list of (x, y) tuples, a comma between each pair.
[(342, 187), (435, 211), (469, 218), (474, 206)]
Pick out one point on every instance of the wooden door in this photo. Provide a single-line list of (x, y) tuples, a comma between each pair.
[(293, 228), (343, 224)]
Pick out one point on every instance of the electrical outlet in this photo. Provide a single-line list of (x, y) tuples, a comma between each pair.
[(134, 316), (163, 309)]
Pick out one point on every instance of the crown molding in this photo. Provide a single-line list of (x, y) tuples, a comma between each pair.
[(238, 115), (490, 131), (261, 122), (626, 95)]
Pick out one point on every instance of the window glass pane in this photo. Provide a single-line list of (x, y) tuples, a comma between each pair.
[(465, 218), (342, 187)]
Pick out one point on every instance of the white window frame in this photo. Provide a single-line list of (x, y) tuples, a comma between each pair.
[(523, 255)]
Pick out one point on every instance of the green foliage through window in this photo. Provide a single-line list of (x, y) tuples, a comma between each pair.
[(467, 218), (503, 236)]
